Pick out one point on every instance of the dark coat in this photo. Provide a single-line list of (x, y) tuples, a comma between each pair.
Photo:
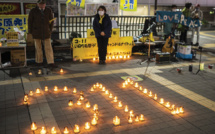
[(106, 24), (38, 23)]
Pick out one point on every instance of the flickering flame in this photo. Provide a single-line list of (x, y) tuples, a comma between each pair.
[(78, 102), (117, 57), (94, 121), (70, 103), (173, 111), (33, 126), (74, 91), (46, 89), (25, 99), (94, 59), (81, 97), (100, 86), (123, 85), (53, 130), (94, 86), (87, 125), (161, 101), (110, 57), (38, 91), (115, 99), (95, 107), (66, 130), (137, 119), (130, 119), (116, 121), (177, 111), (150, 94), (132, 82), (136, 84), (181, 110), (61, 70), (106, 92), (55, 88), (43, 130), (129, 80), (81, 60), (97, 84), (124, 56), (30, 73), (120, 57), (173, 106), (88, 104), (110, 95), (119, 104), (140, 88), (76, 129), (39, 71), (131, 113), (31, 93), (126, 83), (81, 93), (141, 117), (113, 57), (145, 91), (167, 104), (128, 57), (103, 89), (65, 89), (126, 108), (92, 89), (155, 97)]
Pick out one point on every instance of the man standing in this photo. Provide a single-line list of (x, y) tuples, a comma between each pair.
[(40, 25), (196, 14)]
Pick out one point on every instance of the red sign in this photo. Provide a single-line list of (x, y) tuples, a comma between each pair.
[(10, 8), (28, 7)]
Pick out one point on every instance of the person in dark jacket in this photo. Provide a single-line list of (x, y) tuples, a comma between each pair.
[(102, 26), (40, 25)]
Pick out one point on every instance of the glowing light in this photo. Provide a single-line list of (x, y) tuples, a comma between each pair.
[(117, 57), (78, 102), (94, 86), (81, 97), (65, 89), (167, 104), (126, 83), (100, 86), (97, 84), (76, 129), (120, 57), (132, 82), (131, 113), (141, 117), (103, 89), (25, 99), (177, 111), (31, 93), (126, 108), (113, 57), (53, 130), (155, 97), (115, 99), (46, 89), (124, 56), (38, 91), (92, 89), (70, 103), (123, 85), (81, 60), (95, 107), (110, 95), (140, 88), (43, 130), (55, 88), (173, 106), (94, 59), (119, 104), (87, 125), (128, 57), (137, 119), (181, 110), (81, 93), (61, 70), (136, 84), (39, 71), (116, 120), (150, 94), (129, 80), (33, 126), (74, 91), (130, 120), (145, 91), (66, 130), (110, 57), (30, 73), (161, 101), (106, 92), (94, 121), (88, 104)]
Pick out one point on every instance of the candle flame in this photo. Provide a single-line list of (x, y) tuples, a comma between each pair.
[(126, 108), (55, 88), (141, 117), (61, 70), (120, 104), (74, 91), (43, 130), (145, 91), (137, 119), (87, 125), (70, 103), (136, 84), (33, 126), (155, 98), (95, 107), (130, 119), (140, 88), (76, 129), (31, 93), (150, 94), (167, 104), (65, 89), (161, 101), (66, 130), (53, 130), (115, 99), (38, 91), (92, 89), (94, 121), (88, 104), (110, 96), (116, 121), (46, 89)]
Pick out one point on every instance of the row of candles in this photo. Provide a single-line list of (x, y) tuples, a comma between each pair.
[(115, 57), (116, 119), (40, 72), (173, 108)]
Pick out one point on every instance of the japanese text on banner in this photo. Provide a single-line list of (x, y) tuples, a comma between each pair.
[(128, 5), (78, 3)]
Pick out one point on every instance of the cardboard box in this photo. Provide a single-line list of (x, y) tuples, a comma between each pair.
[(17, 57)]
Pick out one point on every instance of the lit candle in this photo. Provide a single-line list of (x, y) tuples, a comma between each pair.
[(115, 99), (145, 91), (74, 91), (128, 57), (181, 110), (78, 102), (97, 84), (132, 82), (33, 126), (113, 57), (130, 120), (110, 57), (119, 104), (106, 92), (96, 114), (173, 106), (140, 88), (129, 80), (103, 89), (76, 129), (126, 83), (65, 89), (88, 104), (43, 130), (95, 107), (94, 86), (31, 93), (136, 84), (173, 111), (94, 59), (61, 70), (87, 125), (116, 121), (94, 121), (124, 56), (161, 101), (141, 117), (39, 71), (81, 93), (167, 104), (120, 56), (123, 85), (55, 88), (155, 97), (25, 99), (46, 89), (131, 113), (100, 86), (66, 130), (177, 111), (110, 95), (81, 97), (92, 89), (70, 103), (126, 108), (150, 94), (38, 91), (30, 73), (137, 119), (53, 130)]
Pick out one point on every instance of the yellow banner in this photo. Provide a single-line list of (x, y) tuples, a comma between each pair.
[(128, 5), (78, 3), (8, 22), (115, 33), (86, 48)]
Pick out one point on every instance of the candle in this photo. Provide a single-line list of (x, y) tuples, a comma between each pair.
[(81, 93), (141, 117), (33, 126), (65, 89), (131, 113), (78, 102), (43, 130), (106, 92), (116, 121), (181, 110), (129, 80), (25, 99), (94, 86), (124, 56), (115, 99), (123, 85), (150, 94), (66, 130), (173, 111), (94, 59), (119, 104), (39, 71), (38, 91), (128, 57), (31, 93), (81, 97), (94, 121), (117, 57), (161, 101), (113, 57), (87, 125), (136, 84), (88, 104), (70, 103), (177, 111), (110, 95), (167, 104), (126, 83), (95, 107), (130, 119), (145, 91), (155, 97), (140, 88), (61, 70), (103, 89), (30, 73), (46, 89), (126, 108), (173, 106), (120, 56), (55, 88), (74, 91), (92, 89), (100, 86), (97, 84), (137, 119), (53, 130), (76, 129), (95, 115), (81, 60)]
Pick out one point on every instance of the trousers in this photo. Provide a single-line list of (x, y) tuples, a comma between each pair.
[(197, 29), (102, 47), (48, 51)]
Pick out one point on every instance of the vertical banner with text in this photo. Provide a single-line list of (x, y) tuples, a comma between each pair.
[(128, 5)]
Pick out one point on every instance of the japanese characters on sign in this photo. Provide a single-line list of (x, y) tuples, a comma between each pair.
[(78, 3), (10, 8), (128, 5)]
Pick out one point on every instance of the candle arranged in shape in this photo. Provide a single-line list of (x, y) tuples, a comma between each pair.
[(116, 121)]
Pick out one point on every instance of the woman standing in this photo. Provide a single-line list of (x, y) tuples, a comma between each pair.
[(102, 26)]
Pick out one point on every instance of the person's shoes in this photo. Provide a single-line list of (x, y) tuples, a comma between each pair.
[(100, 62), (52, 66), (104, 62)]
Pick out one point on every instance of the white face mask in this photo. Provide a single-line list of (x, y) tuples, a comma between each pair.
[(101, 13)]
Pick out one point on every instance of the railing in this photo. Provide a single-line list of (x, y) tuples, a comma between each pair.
[(129, 25)]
